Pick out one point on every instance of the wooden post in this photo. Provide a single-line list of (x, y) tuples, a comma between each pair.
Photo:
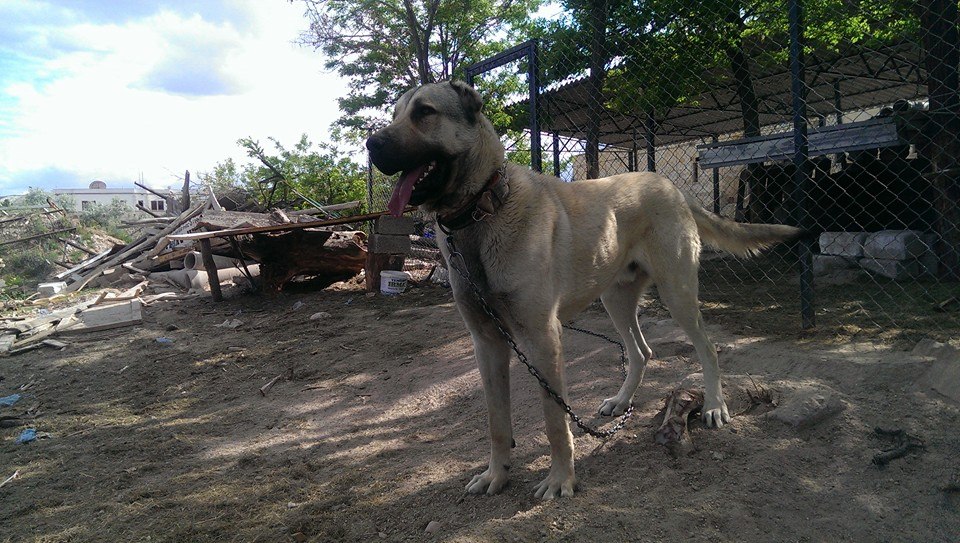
[(185, 195), (208, 264)]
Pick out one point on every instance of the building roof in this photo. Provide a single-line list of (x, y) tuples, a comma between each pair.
[(865, 79)]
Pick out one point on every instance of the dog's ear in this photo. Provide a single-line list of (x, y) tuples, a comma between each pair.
[(469, 98)]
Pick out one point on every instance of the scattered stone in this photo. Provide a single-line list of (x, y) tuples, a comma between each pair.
[(299, 537), (297, 305), (320, 315), (230, 323), (432, 527), (807, 405)]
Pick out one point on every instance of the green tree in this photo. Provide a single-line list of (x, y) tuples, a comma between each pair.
[(40, 197), (302, 176), (384, 47)]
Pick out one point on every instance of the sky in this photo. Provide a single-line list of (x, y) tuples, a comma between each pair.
[(125, 90)]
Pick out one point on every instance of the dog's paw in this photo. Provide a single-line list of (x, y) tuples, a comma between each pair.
[(614, 407), (490, 482), (715, 417), (556, 485)]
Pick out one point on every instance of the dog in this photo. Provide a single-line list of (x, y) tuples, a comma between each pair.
[(541, 250)]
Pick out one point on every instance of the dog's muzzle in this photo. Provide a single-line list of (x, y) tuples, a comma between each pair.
[(377, 145)]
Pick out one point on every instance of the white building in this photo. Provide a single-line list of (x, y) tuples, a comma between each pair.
[(98, 193)]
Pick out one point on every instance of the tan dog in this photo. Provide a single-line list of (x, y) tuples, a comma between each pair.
[(541, 250)]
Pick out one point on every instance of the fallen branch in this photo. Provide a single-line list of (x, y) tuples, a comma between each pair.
[(266, 388)]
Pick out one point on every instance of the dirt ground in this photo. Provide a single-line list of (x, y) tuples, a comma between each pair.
[(378, 422)]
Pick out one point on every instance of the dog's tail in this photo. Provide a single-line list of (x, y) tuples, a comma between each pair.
[(739, 239)]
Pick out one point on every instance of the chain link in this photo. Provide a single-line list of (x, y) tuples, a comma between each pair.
[(478, 294)]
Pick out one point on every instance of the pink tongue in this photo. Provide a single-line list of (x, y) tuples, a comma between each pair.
[(403, 190)]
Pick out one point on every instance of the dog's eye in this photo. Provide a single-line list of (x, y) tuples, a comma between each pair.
[(424, 111)]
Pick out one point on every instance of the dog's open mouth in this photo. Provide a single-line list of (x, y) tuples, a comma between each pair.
[(405, 185)]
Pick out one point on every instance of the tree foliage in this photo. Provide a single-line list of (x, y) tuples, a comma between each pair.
[(660, 53), (300, 176), (384, 47)]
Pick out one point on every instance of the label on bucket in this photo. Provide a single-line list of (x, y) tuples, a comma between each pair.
[(393, 282)]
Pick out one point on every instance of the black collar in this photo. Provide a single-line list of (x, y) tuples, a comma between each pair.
[(481, 206)]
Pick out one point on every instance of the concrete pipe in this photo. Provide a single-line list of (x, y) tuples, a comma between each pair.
[(194, 261)]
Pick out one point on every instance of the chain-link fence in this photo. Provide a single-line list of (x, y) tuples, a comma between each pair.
[(840, 117)]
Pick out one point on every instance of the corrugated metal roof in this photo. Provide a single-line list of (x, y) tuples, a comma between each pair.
[(866, 79)]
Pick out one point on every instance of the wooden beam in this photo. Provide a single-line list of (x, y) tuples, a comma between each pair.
[(208, 264), (280, 227), (76, 245), (38, 236)]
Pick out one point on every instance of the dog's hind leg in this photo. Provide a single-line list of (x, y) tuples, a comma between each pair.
[(493, 360), (678, 290), (620, 301)]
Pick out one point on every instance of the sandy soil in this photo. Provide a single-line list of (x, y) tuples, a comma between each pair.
[(379, 422)]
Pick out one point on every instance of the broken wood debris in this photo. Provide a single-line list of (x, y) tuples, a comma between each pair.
[(905, 444), (677, 408)]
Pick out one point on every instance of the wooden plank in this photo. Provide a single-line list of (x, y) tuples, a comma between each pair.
[(83, 265), (326, 209), (281, 227), (107, 317), (870, 134)]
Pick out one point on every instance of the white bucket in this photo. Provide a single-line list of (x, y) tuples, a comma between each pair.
[(393, 282)]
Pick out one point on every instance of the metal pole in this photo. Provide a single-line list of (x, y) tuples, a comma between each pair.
[(801, 161), (556, 154), (716, 183), (369, 177), (533, 82), (837, 105), (634, 153), (651, 132)]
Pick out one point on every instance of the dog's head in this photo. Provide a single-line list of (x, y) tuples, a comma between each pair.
[(437, 139)]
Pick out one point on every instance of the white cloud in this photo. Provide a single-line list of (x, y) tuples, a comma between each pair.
[(158, 94)]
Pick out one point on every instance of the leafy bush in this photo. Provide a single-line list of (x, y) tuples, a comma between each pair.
[(28, 266)]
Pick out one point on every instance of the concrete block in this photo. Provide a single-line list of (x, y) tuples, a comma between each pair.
[(930, 262), (827, 264), (842, 243), (897, 270), (386, 224), (389, 244), (49, 289), (894, 245)]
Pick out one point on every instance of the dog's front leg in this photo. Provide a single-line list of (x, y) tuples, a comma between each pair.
[(547, 355), (493, 359)]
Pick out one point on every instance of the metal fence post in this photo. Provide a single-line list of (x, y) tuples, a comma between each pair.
[(801, 161)]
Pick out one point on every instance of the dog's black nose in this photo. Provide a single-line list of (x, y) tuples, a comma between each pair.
[(375, 142)]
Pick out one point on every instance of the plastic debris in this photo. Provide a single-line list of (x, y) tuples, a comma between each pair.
[(28, 435)]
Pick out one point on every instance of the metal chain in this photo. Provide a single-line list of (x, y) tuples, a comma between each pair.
[(478, 294)]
